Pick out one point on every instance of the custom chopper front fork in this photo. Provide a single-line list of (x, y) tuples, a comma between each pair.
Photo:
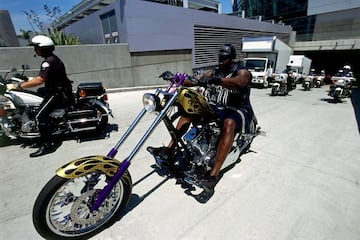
[(126, 163)]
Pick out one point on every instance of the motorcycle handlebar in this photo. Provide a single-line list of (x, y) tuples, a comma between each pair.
[(169, 76), (19, 79)]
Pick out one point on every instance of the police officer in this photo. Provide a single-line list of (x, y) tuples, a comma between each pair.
[(57, 90)]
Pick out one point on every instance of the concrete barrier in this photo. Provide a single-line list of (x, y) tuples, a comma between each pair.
[(111, 64)]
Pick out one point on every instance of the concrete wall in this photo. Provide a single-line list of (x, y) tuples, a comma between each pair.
[(111, 64)]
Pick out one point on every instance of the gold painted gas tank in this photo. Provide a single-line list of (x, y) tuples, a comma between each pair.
[(193, 103)]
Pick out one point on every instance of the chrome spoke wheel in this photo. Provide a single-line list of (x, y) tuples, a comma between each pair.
[(68, 212)]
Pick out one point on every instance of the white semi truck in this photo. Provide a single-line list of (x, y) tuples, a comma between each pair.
[(264, 57)]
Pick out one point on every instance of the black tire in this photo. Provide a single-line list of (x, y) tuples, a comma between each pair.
[(273, 91), (336, 96), (252, 130), (101, 113), (56, 207)]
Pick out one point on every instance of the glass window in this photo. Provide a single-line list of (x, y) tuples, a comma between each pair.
[(110, 30)]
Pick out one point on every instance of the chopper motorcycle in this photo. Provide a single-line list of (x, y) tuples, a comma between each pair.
[(18, 109), (87, 194)]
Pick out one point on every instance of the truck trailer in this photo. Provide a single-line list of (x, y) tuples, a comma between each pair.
[(264, 57), (300, 67)]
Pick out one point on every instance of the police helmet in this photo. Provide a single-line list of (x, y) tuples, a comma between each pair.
[(347, 67), (43, 42)]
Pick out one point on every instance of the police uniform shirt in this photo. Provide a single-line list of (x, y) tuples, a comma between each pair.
[(53, 71)]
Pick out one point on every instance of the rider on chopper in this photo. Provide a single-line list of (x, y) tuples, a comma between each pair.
[(57, 90), (228, 89)]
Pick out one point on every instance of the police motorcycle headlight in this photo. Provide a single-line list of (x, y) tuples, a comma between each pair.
[(151, 102), (6, 105)]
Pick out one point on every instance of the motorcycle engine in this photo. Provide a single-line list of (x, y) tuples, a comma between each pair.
[(203, 144), (28, 124)]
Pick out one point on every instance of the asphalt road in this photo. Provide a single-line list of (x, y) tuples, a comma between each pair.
[(300, 180)]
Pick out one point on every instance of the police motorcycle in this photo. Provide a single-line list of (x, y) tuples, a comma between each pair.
[(87, 194), (18, 109), (342, 83), (308, 81), (283, 84), (318, 79)]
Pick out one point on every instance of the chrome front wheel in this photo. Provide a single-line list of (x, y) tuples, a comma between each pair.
[(62, 209)]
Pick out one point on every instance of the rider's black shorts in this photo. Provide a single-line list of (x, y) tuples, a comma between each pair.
[(239, 116)]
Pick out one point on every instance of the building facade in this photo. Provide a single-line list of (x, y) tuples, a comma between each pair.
[(7, 31), (148, 26), (328, 31)]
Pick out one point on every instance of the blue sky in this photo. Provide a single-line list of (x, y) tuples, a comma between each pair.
[(18, 17)]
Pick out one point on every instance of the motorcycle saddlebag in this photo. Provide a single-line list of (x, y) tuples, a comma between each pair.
[(90, 89)]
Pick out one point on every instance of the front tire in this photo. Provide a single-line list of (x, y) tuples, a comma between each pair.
[(337, 96), (62, 209), (273, 91)]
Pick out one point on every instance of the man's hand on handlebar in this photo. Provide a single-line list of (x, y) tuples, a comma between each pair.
[(13, 86)]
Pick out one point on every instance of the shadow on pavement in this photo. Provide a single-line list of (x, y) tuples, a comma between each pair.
[(33, 143), (333, 101), (5, 141), (135, 199)]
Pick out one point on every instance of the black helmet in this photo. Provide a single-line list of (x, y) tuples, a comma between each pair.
[(227, 51)]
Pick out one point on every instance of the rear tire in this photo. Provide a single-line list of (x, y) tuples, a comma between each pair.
[(61, 210), (101, 113), (253, 130)]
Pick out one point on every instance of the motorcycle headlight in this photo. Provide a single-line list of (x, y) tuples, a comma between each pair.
[(150, 102), (5, 105)]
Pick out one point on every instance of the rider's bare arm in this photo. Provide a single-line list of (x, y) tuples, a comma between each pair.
[(240, 80), (36, 81)]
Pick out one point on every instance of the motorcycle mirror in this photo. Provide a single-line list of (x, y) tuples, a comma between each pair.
[(25, 67), (167, 75), (12, 70)]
